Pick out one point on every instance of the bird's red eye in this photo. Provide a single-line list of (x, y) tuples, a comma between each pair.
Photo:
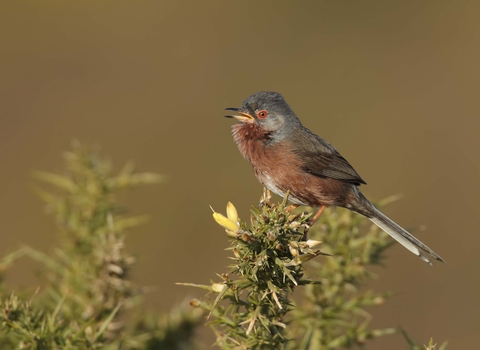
[(262, 114)]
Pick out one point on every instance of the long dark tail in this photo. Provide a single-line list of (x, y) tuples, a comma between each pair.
[(398, 233)]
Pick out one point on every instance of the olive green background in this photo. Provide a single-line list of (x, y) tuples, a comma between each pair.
[(394, 85)]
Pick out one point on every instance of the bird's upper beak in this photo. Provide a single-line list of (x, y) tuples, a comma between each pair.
[(243, 117)]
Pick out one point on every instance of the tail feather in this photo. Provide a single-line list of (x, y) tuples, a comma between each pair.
[(403, 237)]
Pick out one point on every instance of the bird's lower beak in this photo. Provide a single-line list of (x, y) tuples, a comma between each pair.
[(243, 117)]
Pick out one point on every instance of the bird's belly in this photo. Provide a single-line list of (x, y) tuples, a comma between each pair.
[(306, 189), (268, 182)]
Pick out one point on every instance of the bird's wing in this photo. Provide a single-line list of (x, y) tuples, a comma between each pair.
[(322, 159)]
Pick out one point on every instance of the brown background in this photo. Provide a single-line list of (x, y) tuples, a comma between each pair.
[(394, 85)]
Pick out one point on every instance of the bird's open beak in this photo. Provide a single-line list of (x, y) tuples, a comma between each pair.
[(243, 117)]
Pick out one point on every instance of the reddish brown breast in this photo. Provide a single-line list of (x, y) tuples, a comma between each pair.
[(250, 139), (280, 170)]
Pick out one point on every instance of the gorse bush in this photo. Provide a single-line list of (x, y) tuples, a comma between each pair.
[(252, 304), (253, 308), (87, 280), (282, 291)]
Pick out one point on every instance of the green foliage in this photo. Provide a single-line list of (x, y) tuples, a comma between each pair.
[(253, 307), (332, 314), (89, 302), (87, 287), (266, 269)]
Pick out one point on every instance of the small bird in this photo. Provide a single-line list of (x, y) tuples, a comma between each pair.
[(288, 157)]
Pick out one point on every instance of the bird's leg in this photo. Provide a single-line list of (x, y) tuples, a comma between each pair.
[(318, 214), (291, 207), (313, 220)]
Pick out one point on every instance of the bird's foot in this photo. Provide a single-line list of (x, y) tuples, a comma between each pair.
[(265, 198)]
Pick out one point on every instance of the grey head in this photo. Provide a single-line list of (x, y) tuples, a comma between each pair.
[(268, 110)]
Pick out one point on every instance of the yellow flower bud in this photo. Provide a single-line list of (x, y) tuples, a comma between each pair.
[(195, 303), (232, 212), (218, 287), (313, 243), (237, 253), (293, 251), (245, 237), (225, 222), (294, 225)]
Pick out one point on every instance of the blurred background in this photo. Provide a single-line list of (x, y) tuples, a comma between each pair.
[(393, 85)]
